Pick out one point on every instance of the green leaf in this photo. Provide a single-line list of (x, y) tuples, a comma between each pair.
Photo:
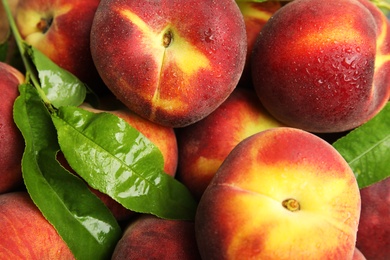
[(60, 86), (116, 159), (367, 149), (81, 219)]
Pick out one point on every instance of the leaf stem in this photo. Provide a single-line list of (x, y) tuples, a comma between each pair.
[(23, 49)]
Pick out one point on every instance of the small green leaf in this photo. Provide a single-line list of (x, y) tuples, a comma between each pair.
[(60, 86), (116, 159), (367, 149), (81, 219)]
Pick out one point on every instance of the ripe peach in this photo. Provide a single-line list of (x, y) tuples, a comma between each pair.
[(61, 30), (204, 145), (25, 233), (323, 66), (172, 62), (149, 237), (11, 140), (373, 237), (283, 193)]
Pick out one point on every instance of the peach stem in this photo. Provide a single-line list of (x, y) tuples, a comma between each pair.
[(291, 205), (167, 39), (44, 24)]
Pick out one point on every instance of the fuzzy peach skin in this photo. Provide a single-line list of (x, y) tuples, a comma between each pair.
[(172, 62), (11, 140), (280, 194), (25, 233), (204, 145), (149, 237), (61, 30), (323, 66)]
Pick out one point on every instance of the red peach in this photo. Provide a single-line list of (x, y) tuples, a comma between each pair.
[(61, 30), (323, 66), (373, 237), (280, 194), (172, 62), (149, 237), (11, 140), (25, 233), (204, 145)]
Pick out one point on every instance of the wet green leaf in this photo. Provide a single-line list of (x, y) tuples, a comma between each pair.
[(117, 160), (367, 149), (60, 86), (81, 219)]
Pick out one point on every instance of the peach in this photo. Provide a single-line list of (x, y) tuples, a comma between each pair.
[(204, 145), (11, 140), (149, 237), (61, 30), (373, 237), (256, 14), (172, 62), (323, 66), (25, 233), (283, 193)]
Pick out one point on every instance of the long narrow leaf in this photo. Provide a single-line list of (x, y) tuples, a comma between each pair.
[(63, 198)]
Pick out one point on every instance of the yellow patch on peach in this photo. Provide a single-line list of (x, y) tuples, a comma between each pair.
[(262, 193), (252, 11), (334, 31), (252, 126), (31, 17), (381, 58), (180, 53), (207, 166), (284, 180)]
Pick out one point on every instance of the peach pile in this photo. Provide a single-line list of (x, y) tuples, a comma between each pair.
[(242, 98)]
